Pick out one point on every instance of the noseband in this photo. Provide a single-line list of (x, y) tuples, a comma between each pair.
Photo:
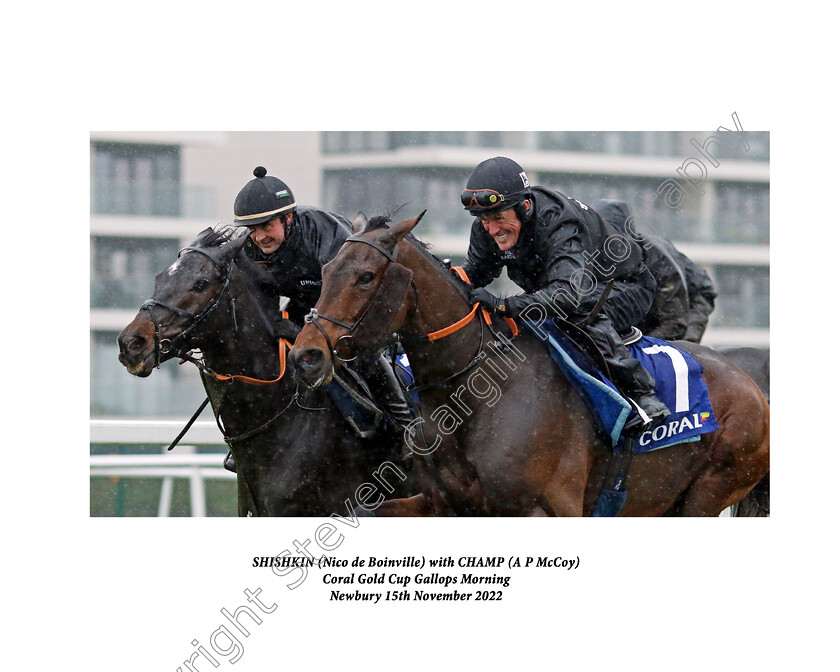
[(163, 346)]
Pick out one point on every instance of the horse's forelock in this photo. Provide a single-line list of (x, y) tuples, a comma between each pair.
[(378, 222), (216, 237), (383, 221)]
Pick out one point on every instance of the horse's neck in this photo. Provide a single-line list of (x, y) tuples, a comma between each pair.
[(439, 304), (242, 343)]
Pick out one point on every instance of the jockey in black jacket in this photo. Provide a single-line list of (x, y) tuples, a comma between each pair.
[(294, 242), (685, 295), (563, 255)]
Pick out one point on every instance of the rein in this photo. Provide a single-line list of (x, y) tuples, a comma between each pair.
[(244, 379), (166, 346), (314, 316)]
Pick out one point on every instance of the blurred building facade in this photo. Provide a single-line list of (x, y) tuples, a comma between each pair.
[(152, 193)]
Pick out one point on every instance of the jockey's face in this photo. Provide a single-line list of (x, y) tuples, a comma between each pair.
[(270, 235), (503, 226)]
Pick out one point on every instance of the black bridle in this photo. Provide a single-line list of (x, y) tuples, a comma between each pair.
[(164, 346), (314, 316)]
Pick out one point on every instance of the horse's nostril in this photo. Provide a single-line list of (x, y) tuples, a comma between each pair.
[(311, 358), (137, 343)]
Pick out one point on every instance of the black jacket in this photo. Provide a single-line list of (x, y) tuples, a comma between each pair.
[(313, 238), (668, 315), (558, 243), (685, 295), (701, 299)]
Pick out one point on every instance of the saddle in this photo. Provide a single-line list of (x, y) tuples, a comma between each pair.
[(678, 378)]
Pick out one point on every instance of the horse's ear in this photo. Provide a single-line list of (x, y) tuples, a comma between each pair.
[(403, 228), (201, 236), (236, 244), (359, 222)]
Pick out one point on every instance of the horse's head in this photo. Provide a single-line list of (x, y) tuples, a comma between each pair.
[(363, 300), (185, 294)]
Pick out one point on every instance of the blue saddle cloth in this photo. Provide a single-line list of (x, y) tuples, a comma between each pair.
[(679, 385), (363, 419), (406, 376)]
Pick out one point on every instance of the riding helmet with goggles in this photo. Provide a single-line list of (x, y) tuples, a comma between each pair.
[(495, 185), (262, 199)]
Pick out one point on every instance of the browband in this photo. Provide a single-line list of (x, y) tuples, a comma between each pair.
[(376, 246)]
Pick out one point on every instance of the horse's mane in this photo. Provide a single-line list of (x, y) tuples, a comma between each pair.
[(383, 221)]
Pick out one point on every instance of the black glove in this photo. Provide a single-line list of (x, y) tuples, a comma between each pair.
[(493, 303), (287, 329)]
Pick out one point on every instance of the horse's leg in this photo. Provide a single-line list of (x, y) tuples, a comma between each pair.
[(416, 506), (738, 453), (740, 459), (757, 502), (247, 505), (565, 493)]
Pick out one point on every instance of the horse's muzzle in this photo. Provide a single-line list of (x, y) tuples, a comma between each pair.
[(311, 367), (136, 350)]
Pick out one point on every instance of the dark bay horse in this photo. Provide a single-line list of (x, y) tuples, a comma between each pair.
[(755, 362), (293, 451), (500, 430)]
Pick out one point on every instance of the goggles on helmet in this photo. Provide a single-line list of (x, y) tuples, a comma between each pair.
[(484, 199)]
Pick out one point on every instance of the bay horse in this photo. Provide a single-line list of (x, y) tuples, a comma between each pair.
[(500, 431), (293, 452), (755, 362)]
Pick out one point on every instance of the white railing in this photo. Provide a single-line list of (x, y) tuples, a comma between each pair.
[(182, 462)]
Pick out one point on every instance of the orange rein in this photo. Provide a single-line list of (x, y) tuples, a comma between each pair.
[(452, 328), (257, 381)]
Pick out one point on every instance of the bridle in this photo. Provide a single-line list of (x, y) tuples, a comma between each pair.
[(165, 346), (314, 317)]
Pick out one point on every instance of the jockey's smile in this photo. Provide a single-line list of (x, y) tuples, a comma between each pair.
[(503, 226)]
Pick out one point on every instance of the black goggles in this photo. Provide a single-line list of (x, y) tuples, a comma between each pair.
[(484, 199)]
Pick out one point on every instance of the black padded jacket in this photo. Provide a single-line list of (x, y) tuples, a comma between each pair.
[(562, 244), (313, 238)]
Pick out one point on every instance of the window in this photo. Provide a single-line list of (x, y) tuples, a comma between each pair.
[(572, 141), (376, 191), (124, 269), (742, 212), (169, 391), (743, 297), (650, 213), (135, 179), (340, 142)]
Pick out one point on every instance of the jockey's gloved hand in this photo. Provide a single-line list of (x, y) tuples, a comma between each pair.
[(490, 301), (287, 329)]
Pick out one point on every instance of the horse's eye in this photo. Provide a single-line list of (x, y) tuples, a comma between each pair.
[(200, 286), (366, 278)]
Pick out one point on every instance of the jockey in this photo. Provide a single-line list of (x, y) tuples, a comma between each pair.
[(685, 295), (563, 255), (293, 242)]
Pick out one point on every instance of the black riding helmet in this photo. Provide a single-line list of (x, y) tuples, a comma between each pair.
[(262, 199), (495, 185)]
